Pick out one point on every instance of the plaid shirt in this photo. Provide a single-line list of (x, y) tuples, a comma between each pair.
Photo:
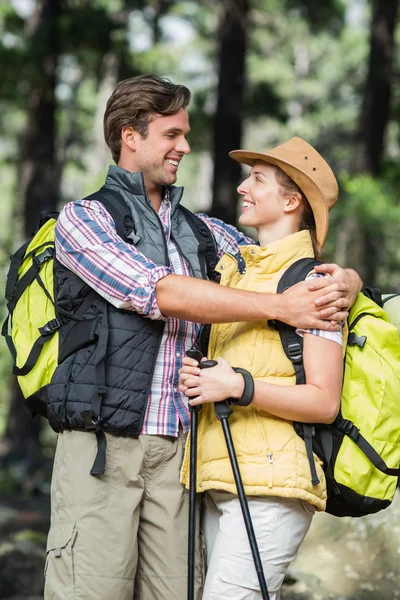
[(87, 244)]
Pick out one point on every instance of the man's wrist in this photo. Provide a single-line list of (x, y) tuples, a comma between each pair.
[(270, 306), (355, 284)]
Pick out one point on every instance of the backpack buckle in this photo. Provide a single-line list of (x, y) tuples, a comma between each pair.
[(349, 429), (50, 327), (295, 352), (42, 257), (90, 422)]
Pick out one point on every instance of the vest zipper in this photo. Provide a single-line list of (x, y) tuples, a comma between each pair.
[(176, 243), (270, 471), (183, 256), (166, 255)]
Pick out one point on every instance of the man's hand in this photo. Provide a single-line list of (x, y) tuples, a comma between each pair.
[(297, 305), (320, 303), (331, 299)]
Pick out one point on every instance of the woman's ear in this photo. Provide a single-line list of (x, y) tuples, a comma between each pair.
[(291, 202), (128, 137)]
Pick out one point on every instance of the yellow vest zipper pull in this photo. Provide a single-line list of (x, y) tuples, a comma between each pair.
[(270, 457)]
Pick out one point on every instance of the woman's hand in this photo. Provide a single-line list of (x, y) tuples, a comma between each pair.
[(209, 385)]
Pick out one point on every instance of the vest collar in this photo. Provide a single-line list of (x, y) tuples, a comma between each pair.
[(280, 253), (134, 184)]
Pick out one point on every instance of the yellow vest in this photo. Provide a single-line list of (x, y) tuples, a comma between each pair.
[(271, 456)]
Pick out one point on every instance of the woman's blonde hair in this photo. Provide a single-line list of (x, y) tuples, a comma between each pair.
[(307, 221)]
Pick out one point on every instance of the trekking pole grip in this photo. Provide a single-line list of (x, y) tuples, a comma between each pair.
[(206, 364)]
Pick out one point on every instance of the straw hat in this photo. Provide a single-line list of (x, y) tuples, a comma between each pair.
[(308, 170)]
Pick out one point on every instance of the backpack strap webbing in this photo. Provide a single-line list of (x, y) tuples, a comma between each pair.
[(118, 209), (390, 298), (291, 342), (14, 291), (124, 225), (373, 294), (346, 426), (91, 418), (293, 347), (12, 275), (207, 249)]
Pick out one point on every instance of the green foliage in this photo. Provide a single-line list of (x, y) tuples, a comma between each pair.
[(374, 203), (372, 200), (29, 535), (320, 15), (8, 483)]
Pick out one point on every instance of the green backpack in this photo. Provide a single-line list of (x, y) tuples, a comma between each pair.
[(360, 450), (31, 327)]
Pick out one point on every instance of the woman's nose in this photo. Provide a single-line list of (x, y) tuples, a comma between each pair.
[(242, 187)]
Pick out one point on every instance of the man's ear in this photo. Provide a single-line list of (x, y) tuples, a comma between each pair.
[(129, 137), (292, 202)]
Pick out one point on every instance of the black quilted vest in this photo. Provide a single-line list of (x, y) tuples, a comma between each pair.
[(106, 382)]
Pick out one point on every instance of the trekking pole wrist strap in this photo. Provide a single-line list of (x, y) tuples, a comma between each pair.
[(248, 392)]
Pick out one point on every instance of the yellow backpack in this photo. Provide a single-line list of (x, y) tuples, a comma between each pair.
[(31, 307), (31, 327), (361, 448)]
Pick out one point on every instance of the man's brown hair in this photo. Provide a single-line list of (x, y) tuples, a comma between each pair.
[(134, 101)]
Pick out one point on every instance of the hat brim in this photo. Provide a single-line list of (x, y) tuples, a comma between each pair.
[(312, 192)]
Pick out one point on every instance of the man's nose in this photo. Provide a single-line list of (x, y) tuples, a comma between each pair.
[(182, 145)]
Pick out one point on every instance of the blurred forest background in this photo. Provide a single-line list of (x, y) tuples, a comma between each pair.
[(260, 71)]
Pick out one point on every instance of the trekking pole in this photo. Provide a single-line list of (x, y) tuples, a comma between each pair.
[(194, 410), (223, 412)]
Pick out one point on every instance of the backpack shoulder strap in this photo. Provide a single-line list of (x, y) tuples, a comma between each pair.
[(298, 271), (373, 294), (207, 251), (118, 209), (390, 297), (291, 342)]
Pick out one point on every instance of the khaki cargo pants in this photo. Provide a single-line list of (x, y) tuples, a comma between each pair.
[(123, 535)]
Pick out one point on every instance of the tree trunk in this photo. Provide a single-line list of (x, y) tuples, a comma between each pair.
[(229, 114), (377, 94), (21, 442), (38, 173), (38, 188), (356, 247)]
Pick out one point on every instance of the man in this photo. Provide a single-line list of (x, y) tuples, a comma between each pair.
[(123, 533)]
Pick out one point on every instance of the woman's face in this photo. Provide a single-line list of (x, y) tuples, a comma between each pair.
[(263, 201)]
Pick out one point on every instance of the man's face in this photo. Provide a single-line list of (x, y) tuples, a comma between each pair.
[(159, 154)]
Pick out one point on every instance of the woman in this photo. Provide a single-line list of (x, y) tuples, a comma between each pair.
[(286, 197)]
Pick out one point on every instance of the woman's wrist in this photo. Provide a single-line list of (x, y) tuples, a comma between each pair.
[(237, 386)]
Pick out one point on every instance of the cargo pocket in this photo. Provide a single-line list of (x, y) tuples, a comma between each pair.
[(238, 579), (59, 567)]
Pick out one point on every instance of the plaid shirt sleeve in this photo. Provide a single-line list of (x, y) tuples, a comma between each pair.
[(227, 237), (88, 245)]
